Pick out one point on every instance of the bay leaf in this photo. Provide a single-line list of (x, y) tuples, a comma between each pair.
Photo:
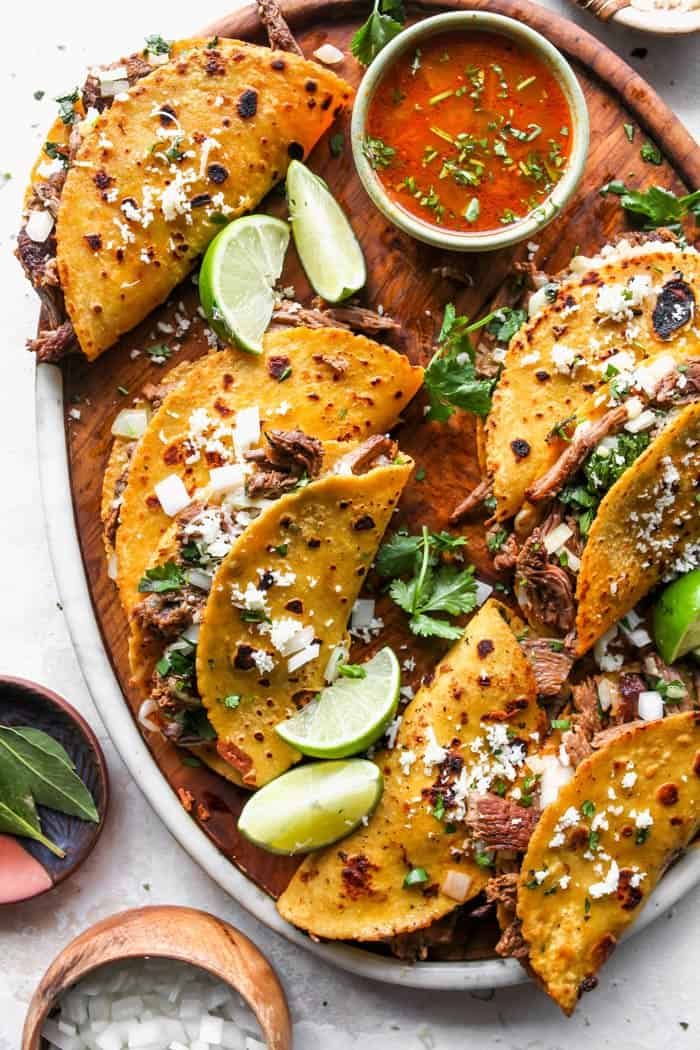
[(52, 782), (18, 815), (45, 743)]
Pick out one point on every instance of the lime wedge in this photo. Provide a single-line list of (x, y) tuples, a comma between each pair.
[(327, 247), (677, 617), (311, 806), (238, 275), (348, 716)]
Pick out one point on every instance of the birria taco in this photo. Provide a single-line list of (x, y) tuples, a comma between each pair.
[(599, 850), (617, 511), (327, 383), (164, 622), (635, 300), (280, 603), (455, 794), (160, 150)]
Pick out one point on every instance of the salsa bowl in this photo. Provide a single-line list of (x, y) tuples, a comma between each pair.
[(375, 169)]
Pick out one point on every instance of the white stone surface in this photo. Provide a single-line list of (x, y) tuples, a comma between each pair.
[(648, 993)]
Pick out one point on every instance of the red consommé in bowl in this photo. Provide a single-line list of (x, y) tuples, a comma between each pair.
[(469, 131)]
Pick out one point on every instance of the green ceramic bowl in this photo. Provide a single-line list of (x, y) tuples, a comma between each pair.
[(484, 240)]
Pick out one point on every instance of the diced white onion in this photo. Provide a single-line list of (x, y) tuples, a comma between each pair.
[(146, 709), (634, 407), (632, 620), (304, 656), (456, 885), (650, 705), (113, 566), (554, 777), (605, 694), (534, 763), (226, 478), (640, 637), (39, 225), (191, 633), (108, 76), (649, 376), (131, 1004), (362, 613), (329, 55), (296, 642), (172, 495), (556, 539), (483, 591), (247, 429), (573, 561), (130, 423), (199, 579), (339, 655), (643, 421), (112, 88)]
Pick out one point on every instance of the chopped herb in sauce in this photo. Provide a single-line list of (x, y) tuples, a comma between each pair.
[(377, 152), (485, 118)]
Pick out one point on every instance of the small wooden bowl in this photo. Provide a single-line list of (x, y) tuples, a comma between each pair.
[(168, 932), (28, 869)]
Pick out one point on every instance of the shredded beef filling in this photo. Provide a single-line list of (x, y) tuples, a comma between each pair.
[(547, 590), (499, 822), (551, 661)]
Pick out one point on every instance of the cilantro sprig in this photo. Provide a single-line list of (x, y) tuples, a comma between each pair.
[(451, 380), (384, 23), (656, 206), (434, 586)]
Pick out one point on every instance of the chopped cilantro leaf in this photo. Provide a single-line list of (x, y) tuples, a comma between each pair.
[(157, 45), (451, 380), (561, 723), (337, 144), (160, 351), (415, 877), (167, 577), (377, 152), (66, 107), (588, 808), (505, 323), (232, 701), (651, 153)]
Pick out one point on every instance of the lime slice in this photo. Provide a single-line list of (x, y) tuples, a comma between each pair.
[(312, 806), (677, 617), (348, 716), (327, 247), (238, 275)]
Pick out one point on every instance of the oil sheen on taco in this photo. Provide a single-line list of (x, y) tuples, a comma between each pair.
[(279, 607), (599, 850), (326, 383), (172, 150), (638, 302), (455, 794)]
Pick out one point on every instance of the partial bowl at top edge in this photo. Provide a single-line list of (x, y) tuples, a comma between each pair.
[(536, 219)]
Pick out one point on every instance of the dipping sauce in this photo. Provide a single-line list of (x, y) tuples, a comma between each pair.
[(469, 132)]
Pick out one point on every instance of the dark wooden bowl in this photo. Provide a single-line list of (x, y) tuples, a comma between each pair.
[(168, 932), (28, 869)]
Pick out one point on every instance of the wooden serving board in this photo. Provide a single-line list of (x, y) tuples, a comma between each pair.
[(408, 280)]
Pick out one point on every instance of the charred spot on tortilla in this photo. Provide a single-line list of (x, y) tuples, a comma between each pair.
[(675, 308), (217, 173), (94, 241), (102, 180), (363, 523), (167, 115), (248, 104), (484, 647), (295, 150), (520, 448), (667, 794), (278, 64)]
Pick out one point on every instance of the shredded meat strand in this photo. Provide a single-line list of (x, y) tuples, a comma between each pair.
[(503, 889), (351, 318), (51, 345), (278, 32), (168, 614), (551, 667), (512, 945), (548, 590), (499, 822), (366, 455), (584, 441), (469, 504)]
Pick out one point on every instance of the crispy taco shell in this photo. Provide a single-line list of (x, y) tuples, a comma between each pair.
[(354, 890), (197, 141), (323, 538), (537, 389), (637, 801), (375, 384), (644, 525)]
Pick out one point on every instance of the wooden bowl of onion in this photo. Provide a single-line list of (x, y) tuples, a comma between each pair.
[(157, 978)]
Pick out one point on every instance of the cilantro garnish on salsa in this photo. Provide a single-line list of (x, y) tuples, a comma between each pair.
[(471, 133)]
